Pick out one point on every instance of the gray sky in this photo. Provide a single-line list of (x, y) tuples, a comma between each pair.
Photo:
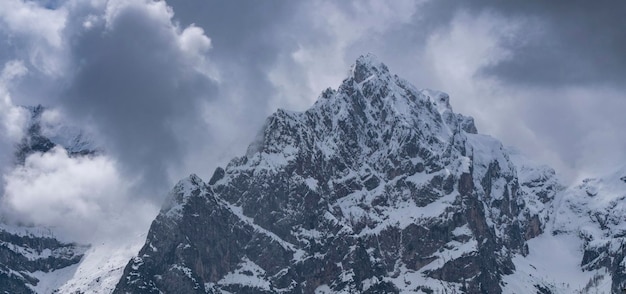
[(178, 87)]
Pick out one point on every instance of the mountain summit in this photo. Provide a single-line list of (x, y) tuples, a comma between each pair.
[(378, 188)]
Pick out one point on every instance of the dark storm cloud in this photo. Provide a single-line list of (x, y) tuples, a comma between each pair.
[(572, 53), (247, 41), (560, 42), (558, 77), (563, 43), (239, 26), (564, 69), (137, 86)]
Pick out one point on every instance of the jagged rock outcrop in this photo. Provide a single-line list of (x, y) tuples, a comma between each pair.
[(23, 254), (378, 188)]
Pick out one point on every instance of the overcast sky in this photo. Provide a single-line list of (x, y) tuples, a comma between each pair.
[(179, 87)]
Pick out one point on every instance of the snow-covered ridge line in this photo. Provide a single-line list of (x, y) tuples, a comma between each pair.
[(249, 221), (381, 187)]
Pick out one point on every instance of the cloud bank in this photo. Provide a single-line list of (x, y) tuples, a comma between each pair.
[(178, 87)]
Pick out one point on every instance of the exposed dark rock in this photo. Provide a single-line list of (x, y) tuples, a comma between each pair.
[(33, 141), (23, 254), (375, 188)]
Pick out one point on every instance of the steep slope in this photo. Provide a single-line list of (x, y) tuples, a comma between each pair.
[(379, 187), (27, 255), (582, 247), (595, 212), (100, 268)]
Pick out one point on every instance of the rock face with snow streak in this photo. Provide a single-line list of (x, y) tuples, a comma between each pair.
[(25, 252), (595, 211), (378, 188), (582, 248)]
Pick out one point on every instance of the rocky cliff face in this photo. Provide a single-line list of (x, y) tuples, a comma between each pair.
[(378, 188), (26, 254)]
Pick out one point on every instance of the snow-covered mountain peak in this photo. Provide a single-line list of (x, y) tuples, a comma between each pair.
[(380, 115), (356, 181), (382, 98), (367, 66), (179, 195), (379, 187), (440, 99)]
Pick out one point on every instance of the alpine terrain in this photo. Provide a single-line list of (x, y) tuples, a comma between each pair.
[(29, 254), (33, 259), (379, 187)]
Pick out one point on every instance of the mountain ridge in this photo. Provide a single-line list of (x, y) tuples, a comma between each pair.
[(375, 159), (379, 187)]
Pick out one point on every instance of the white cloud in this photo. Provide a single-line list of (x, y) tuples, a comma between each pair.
[(13, 118), (28, 18), (81, 198), (458, 52), (195, 44), (580, 126), (37, 30), (12, 69), (193, 41), (157, 11), (89, 197), (455, 56), (324, 41), (561, 126)]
